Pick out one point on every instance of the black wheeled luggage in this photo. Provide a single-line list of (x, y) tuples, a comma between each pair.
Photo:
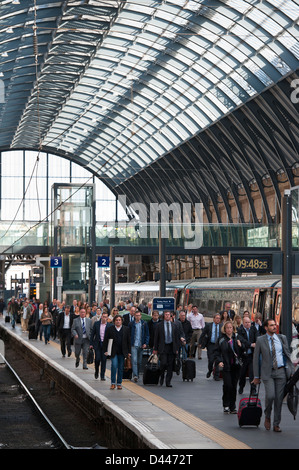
[(188, 369), (250, 411), (151, 374), (7, 319)]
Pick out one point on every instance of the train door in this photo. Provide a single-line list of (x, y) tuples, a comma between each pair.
[(259, 300), (277, 309)]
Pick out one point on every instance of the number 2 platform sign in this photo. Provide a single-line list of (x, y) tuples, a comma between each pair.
[(103, 261)]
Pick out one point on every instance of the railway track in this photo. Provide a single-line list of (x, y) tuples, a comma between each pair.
[(28, 419)]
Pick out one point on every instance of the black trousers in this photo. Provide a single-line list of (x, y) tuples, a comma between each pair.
[(166, 362), (230, 381), (65, 340), (247, 365), (100, 358), (212, 350)]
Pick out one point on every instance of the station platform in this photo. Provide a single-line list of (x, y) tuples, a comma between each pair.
[(187, 416)]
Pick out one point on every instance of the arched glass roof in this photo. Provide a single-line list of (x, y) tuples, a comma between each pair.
[(117, 84)]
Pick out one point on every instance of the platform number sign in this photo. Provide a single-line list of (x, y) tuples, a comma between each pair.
[(103, 261), (56, 262)]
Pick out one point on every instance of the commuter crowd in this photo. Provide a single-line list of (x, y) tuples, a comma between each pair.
[(236, 346)]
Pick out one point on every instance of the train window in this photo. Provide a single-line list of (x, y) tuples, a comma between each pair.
[(255, 303), (203, 304), (218, 307), (278, 304), (211, 305)]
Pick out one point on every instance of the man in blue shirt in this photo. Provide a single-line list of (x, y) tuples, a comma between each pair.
[(139, 341), (272, 363)]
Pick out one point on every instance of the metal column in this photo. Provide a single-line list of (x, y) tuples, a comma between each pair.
[(162, 264), (112, 277), (286, 248)]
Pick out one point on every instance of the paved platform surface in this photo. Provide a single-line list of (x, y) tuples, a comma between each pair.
[(187, 416)]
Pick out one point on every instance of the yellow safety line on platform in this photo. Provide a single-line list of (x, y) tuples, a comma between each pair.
[(224, 440)]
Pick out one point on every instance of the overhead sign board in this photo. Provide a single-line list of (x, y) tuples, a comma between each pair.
[(103, 261), (164, 303), (56, 261)]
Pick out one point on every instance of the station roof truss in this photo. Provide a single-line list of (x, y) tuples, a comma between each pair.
[(192, 93)]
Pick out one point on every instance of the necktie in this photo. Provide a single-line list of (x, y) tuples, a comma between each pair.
[(168, 332), (274, 359), (83, 327)]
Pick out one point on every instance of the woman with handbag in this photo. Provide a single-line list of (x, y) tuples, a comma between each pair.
[(46, 321), (117, 337), (229, 354)]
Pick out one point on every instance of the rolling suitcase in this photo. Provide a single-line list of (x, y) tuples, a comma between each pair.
[(250, 411), (188, 370), (151, 372), (188, 367), (7, 319)]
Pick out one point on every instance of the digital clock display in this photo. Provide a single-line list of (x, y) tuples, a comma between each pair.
[(250, 263)]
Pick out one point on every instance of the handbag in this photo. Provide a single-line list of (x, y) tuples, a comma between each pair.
[(177, 365), (127, 363), (90, 356)]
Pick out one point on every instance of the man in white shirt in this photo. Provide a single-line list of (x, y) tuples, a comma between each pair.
[(81, 332), (197, 322), (64, 327)]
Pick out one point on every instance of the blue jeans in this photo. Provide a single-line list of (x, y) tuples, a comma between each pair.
[(117, 365), (136, 352), (47, 332)]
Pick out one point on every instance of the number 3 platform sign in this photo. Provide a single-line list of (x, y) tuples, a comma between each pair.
[(56, 262)]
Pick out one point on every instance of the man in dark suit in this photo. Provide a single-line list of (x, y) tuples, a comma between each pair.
[(96, 342), (81, 332), (230, 313), (167, 345), (64, 327), (249, 333), (119, 334), (130, 316), (272, 363), (209, 339)]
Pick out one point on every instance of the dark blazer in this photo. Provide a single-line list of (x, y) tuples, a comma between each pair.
[(206, 334), (60, 321), (152, 328), (187, 329), (225, 352), (253, 335), (126, 319), (95, 338), (159, 340), (110, 333)]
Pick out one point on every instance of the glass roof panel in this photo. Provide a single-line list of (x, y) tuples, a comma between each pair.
[(125, 82)]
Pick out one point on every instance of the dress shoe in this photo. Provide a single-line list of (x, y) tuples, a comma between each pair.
[(77, 363), (112, 387), (267, 424), (96, 375), (208, 374), (85, 367), (168, 385), (276, 429), (103, 378), (69, 353), (119, 387), (161, 379), (240, 390)]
